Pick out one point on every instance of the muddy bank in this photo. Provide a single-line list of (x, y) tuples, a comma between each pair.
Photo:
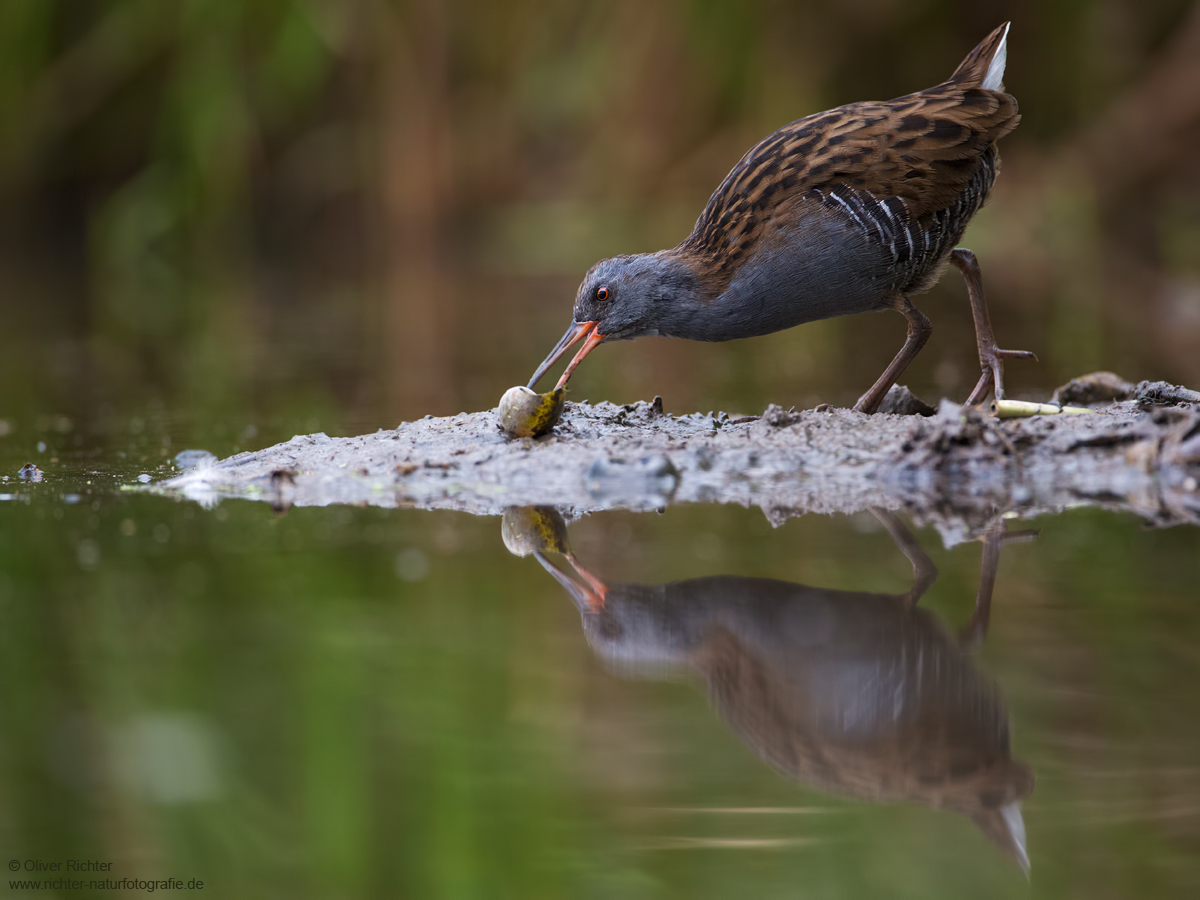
[(958, 469)]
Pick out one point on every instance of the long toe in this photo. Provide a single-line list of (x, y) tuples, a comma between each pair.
[(992, 379), (998, 379), (982, 388), (998, 369)]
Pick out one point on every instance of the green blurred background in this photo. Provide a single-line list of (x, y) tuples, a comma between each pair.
[(383, 703), (347, 214)]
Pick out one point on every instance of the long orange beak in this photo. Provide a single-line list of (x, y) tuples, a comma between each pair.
[(575, 333), (589, 597)]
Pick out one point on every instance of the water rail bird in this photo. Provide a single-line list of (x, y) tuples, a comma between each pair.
[(847, 211)]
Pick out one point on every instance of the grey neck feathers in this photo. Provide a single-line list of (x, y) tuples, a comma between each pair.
[(680, 296)]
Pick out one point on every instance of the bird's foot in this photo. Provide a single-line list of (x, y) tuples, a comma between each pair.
[(991, 360)]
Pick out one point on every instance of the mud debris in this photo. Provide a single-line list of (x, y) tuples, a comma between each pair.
[(960, 469)]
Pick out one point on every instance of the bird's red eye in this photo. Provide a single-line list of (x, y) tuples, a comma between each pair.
[(602, 293)]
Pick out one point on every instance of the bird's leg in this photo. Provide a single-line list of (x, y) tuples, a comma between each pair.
[(919, 330), (990, 356), (994, 539), (925, 573)]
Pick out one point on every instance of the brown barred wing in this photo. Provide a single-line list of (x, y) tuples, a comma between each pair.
[(924, 149)]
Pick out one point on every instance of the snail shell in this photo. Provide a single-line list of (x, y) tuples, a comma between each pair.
[(525, 413)]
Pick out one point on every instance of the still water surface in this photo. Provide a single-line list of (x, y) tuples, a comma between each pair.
[(388, 703)]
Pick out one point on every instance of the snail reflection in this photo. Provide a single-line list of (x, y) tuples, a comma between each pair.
[(861, 694)]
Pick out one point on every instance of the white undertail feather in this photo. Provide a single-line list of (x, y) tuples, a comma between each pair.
[(994, 79), (1012, 811)]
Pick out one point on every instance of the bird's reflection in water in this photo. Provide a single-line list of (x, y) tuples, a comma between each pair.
[(856, 693)]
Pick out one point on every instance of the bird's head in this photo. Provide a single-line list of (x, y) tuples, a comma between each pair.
[(620, 299)]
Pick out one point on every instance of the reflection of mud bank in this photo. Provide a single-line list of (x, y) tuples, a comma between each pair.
[(958, 469)]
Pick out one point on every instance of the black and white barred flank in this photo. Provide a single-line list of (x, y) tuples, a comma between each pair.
[(919, 247)]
